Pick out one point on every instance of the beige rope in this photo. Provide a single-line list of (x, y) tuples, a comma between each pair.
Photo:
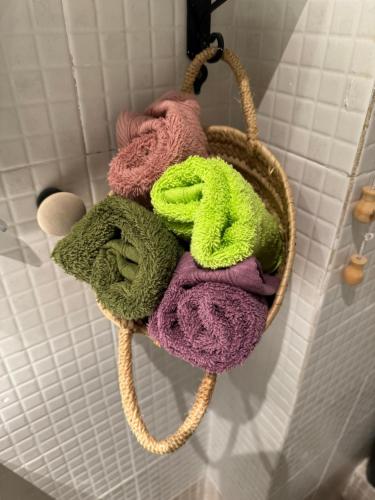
[(242, 80), (133, 412)]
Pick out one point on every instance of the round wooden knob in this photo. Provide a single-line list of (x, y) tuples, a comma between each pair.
[(59, 211), (364, 210), (353, 273)]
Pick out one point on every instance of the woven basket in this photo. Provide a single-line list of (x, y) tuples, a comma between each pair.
[(257, 164)]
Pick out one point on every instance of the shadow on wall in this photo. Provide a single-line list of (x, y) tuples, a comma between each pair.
[(15, 248), (14, 487), (264, 463), (263, 31)]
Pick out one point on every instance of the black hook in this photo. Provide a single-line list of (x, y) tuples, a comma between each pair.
[(201, 78), (199, 36), (203, 72), (220, 47)]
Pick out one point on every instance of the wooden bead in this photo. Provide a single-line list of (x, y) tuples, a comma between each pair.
[(364, 210), (353, 273), (57, 213)]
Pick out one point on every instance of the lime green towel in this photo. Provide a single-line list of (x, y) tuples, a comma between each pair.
[(124, 252), (208, 201)]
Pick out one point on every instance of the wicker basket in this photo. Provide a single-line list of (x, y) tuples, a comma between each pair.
[(257, 164)]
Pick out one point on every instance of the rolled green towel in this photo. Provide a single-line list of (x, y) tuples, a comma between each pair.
[(208, 201), (124, 252)]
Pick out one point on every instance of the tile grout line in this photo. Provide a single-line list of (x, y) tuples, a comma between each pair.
[(128, 79), (101, 65), (355, 168), (344, 427), (12, 308), (76, 92)]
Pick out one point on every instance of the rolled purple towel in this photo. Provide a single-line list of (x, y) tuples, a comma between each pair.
[(213, 319)]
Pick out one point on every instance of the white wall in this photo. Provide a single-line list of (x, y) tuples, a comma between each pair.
[(308, 383), (278, 424)]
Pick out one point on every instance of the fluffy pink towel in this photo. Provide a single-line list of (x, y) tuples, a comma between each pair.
[(213, 319), (167, 133)]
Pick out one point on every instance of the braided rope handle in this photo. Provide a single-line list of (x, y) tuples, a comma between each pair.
[(242, 80), (133, 413)]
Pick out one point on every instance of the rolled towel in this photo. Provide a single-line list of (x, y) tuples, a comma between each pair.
[(209, 201), (213, 319), (124, 252), (167, 133)]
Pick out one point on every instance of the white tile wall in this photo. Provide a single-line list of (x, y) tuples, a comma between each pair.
[(201, 489), (312, 107), (277, 424)]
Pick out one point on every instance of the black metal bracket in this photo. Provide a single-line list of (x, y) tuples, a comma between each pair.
[(199, 35)]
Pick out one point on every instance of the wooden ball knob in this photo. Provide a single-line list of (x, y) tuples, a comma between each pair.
[(58, 212), (353, 273), (364, 210)]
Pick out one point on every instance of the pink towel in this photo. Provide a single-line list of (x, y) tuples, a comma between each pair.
[(167, 133), (213, 319)]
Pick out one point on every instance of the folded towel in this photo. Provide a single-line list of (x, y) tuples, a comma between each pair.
[(124, 252), (167, 133), (209, 201), (210, 318)]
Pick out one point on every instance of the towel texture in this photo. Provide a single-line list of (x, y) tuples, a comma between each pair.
[(124, 252), (213, 319), (209, 201), (167, 133)]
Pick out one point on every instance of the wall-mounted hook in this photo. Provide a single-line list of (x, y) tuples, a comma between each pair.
[(353, 272), (364, 210), (199, 35)]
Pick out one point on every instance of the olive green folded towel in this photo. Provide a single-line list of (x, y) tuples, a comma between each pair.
[(124, 252), (208, 201)]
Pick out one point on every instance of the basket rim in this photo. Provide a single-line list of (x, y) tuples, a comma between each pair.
[(261, 151)]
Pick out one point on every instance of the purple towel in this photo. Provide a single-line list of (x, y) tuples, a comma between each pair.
[(213, 319)]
